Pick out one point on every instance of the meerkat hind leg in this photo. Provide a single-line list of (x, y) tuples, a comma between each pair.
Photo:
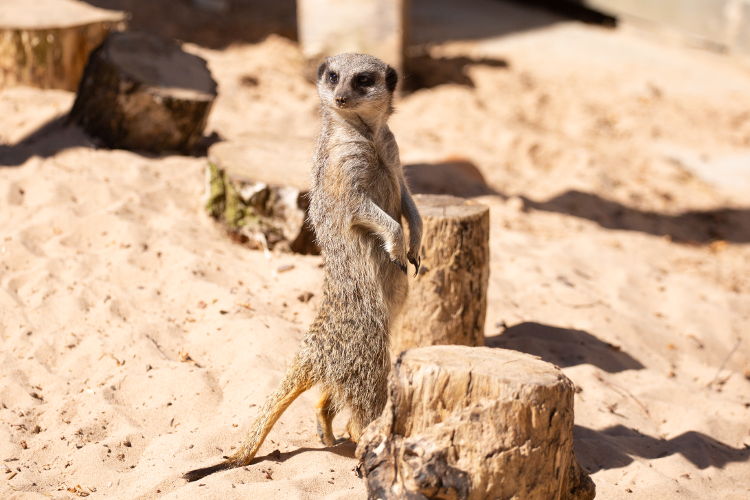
[(295, 382), (355, 429), (325, 412)]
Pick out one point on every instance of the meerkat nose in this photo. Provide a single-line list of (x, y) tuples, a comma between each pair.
[(340, 100)]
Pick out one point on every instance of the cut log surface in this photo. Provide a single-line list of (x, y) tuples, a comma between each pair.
[(474, 423), (144, 93), (46, 43), (447, 302), (257, 188)]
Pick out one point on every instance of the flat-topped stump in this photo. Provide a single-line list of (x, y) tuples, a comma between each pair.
[(447, 301), (145, 93), (257, 189), (474, 423), (46, 43)]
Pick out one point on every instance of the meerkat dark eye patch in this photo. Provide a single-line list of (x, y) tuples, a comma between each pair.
[(391, 79), (333, 77), (363, 80), (322, 69)]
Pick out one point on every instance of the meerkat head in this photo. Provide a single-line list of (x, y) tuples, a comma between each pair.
[(357, 84)]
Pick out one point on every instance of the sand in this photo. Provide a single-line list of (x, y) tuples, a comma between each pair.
[(138, 341)]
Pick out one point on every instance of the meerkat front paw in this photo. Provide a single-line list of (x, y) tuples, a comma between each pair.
[(401, 264), (397, 254), (415, 260)]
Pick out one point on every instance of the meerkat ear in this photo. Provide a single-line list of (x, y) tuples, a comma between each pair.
[(391, 79), (322, 69)]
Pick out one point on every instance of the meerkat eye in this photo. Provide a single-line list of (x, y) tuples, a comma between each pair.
[(365, 80), (333, 77)]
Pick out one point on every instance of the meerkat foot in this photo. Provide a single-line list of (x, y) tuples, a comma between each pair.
[(325, 412), (327, 438), (355, 431)]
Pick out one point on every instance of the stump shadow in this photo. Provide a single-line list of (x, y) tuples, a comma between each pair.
[(457, 177), (51, 137), (424, 71), (59, 134), (615, 447), (564, 347), (695, 226)]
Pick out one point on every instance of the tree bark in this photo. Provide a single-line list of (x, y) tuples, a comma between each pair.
[(474, 423), (46, 43), (143, 93), (447, 302), (257, 189)]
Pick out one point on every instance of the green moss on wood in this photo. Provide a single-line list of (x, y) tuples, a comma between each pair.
[(226, 204), (216, 191), (260, 216)]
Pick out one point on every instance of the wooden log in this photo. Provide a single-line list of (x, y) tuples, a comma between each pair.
[(257, 188), (474, 423), (329, 27), (447, 302), (46, 43), (144, 93)]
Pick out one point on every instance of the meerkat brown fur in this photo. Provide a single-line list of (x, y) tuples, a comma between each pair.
[(357, 202)]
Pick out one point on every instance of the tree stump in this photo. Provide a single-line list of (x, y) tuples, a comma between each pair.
[(474, 423), (257, 188), (447, 301), (329, 27), (144, 93), (46, 43)]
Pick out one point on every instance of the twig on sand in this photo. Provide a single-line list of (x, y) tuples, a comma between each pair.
[(723, 363)]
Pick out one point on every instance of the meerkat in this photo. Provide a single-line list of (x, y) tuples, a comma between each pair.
[(357, 201)]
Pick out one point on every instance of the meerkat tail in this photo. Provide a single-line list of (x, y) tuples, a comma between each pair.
[(196, 474)]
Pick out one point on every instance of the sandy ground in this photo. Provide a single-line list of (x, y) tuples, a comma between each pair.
[(137, 341)]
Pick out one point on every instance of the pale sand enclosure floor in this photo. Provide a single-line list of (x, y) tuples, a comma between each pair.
[(137, 341)]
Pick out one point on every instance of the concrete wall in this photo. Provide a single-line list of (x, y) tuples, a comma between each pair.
[(725, 23)]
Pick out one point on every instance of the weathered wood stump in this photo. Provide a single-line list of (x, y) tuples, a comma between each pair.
[(447, 302), (46, 43), (144, 93), (474, 423), (257, 188), (376, 27)]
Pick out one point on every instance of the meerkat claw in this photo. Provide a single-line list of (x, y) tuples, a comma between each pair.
[(416, 262)]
